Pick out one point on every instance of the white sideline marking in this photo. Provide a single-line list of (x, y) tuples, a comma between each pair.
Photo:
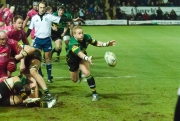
[(59, 77)]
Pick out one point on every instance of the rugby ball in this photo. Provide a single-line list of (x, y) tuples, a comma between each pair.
[(110, 58)]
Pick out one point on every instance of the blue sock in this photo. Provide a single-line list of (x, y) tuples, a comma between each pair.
[(40, 72), (48, 68)]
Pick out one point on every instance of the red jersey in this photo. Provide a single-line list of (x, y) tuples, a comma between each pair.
[(6, 51), (15, 34), (30, 14), (7, 17)]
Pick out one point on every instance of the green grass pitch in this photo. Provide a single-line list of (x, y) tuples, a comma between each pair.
[(142, 87)]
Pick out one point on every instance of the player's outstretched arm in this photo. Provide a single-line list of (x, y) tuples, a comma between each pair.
[(85, 57), (106, 44)]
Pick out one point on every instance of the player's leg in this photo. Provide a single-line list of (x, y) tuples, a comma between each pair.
[(47, 51), (84, 67), (35, 64), (58, 46)]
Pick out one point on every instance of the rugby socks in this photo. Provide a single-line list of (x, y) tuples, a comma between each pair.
[(48, 68), (54, 50), (40, 72), (46, 91), (58, 52), (20, 90), (91, 83), (177, 110)]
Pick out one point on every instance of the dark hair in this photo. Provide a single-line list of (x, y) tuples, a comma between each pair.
[(17, 17), (61, 7), (1, 5)]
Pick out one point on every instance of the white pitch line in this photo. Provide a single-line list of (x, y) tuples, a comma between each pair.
[(59, 77)]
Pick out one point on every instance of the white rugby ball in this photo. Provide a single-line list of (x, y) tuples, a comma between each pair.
[(110, 58)]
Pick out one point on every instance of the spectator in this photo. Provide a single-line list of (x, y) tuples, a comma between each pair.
[(124, 15), (153, 16), (110, 12), (82, 14), (123, 4), (91, 8), (139, 15), (145, 16), (166, 16), (111, 3), (103, 16), (173, 15), (118, 13), (159, 14), (131, 17)]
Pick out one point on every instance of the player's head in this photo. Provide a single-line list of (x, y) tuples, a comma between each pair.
[(18, 22), (60, 10), (49, 10), (41, 8), (12, 9), (78, 33), (3, 37), (35, 6)]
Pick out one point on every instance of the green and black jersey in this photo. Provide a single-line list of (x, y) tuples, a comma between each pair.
[(60, 26), (74, 46)]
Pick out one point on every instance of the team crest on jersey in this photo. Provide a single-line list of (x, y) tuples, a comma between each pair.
[(46, 19)]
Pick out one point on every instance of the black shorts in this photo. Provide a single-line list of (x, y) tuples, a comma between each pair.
[(36, 55), (55, 35), (4, 94), (73, 63)]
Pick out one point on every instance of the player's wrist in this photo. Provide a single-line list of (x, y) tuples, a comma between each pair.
[(86, 57), (104, 44)]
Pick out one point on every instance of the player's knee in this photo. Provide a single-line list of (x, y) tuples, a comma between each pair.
[(86, 74)]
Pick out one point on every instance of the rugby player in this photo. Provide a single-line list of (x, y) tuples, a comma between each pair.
[(15, 31), (77, 57)]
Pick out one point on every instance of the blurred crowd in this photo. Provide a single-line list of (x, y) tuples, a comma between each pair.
[(97, 9)]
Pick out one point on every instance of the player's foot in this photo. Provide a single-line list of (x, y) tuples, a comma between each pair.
[(47, 97), (50, 81), (57, 60), (31, 100), (51, 103), (95, 97)]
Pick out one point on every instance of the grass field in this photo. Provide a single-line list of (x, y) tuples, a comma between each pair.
[(142, 86)]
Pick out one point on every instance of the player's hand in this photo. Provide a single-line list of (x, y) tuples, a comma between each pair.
[(62, 35), (111, 42), (54, 28), (78, 19), (90, 60)]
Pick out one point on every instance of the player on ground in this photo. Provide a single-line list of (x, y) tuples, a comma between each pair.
[(29, 67), (9, 97), (7, 18), (29, 16), (42, 24), (77, 57), (15, 31)]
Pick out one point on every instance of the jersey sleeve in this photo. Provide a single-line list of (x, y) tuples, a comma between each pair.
[(16, 48), (54, 18), (90, 39), (73, 46)]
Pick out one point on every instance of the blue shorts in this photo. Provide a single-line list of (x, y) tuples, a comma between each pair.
[(44, 44)]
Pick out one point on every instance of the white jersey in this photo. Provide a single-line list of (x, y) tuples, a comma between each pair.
[(42, 25)]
